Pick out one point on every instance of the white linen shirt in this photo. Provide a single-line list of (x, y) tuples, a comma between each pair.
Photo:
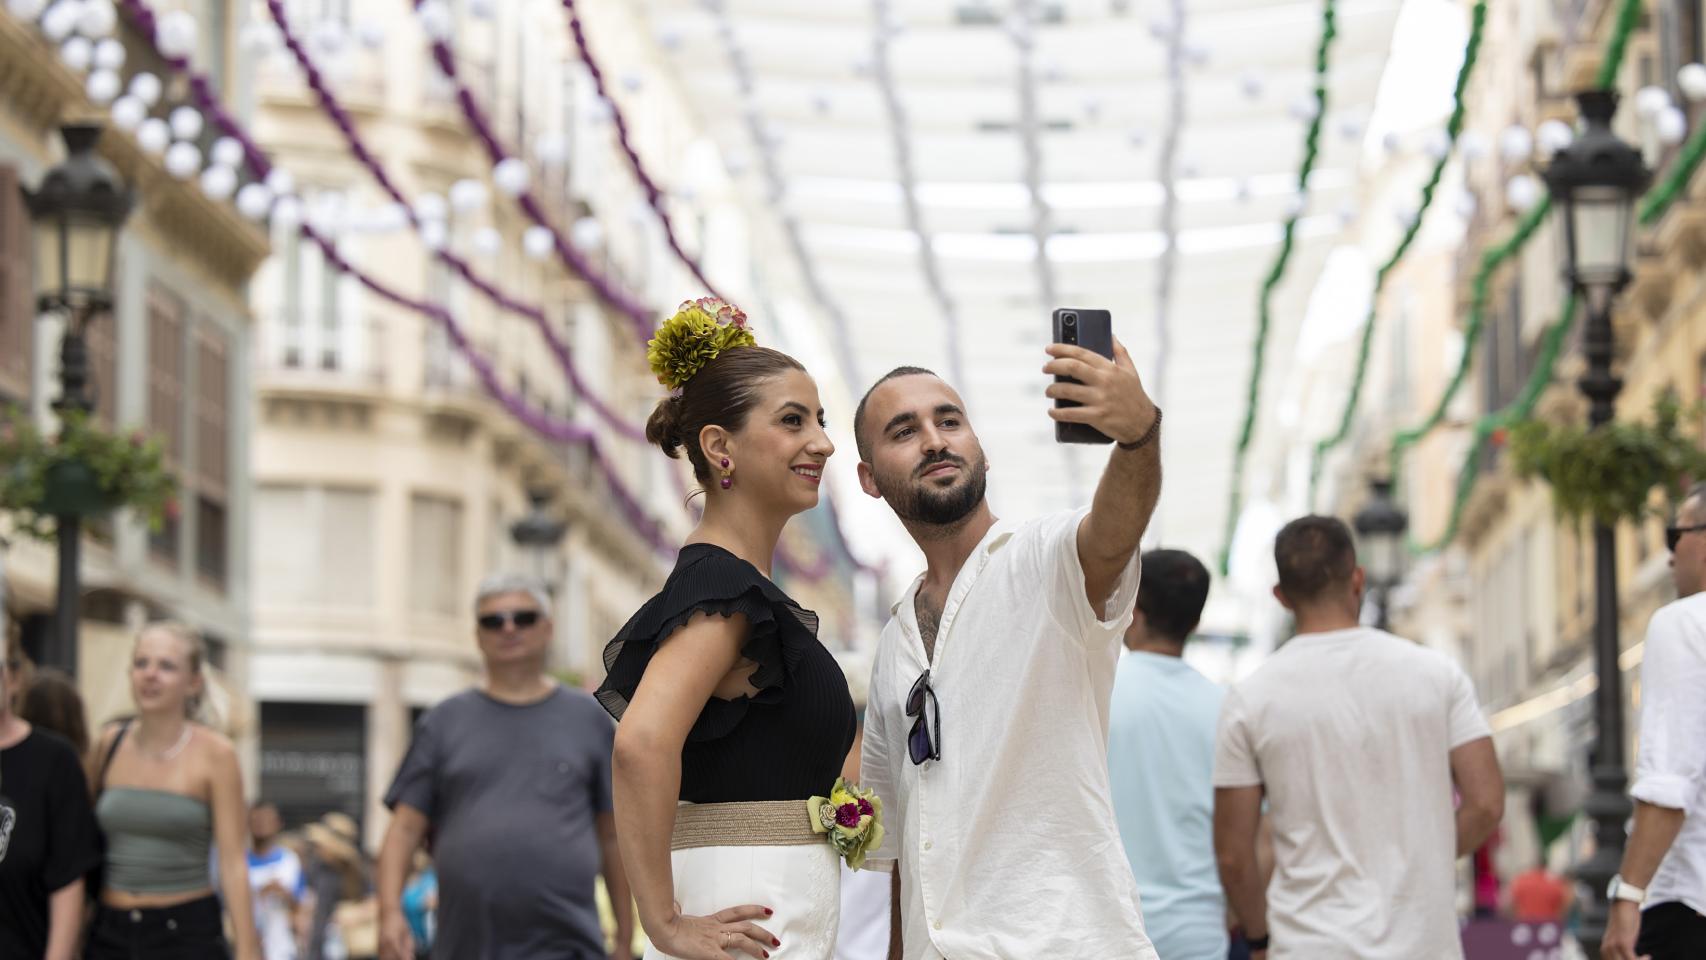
[(1008, 845), (1670, 766)]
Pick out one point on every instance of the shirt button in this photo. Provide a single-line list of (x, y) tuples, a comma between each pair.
[(937, 925), (927, 844)]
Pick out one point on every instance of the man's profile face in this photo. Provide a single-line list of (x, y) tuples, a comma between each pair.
[(1688, 560), (926, 461)]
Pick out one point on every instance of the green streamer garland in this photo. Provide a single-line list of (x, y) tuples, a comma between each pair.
[(1264, 316), (1453, 127)]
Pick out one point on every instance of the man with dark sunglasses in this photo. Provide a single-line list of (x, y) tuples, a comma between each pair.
[(987, 720), (512, 781), (1658, 898)]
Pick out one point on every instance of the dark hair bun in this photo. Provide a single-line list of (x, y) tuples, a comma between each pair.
[(663, 428)]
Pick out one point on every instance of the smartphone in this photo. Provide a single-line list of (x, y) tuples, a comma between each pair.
[(1092, 330)]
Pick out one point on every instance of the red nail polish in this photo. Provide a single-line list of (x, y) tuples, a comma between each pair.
[(768, 911), (775, 942)]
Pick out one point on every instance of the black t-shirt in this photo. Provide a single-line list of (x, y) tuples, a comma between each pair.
[(788, 741), (47, 836)]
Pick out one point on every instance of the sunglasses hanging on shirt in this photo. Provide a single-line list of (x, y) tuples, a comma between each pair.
[(924, 742)]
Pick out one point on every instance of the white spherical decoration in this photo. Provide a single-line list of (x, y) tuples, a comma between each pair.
[(254, 200), (1137, 138), (481, 8), (371, 34), (103, 86), (1522, 193), (467, 196), (183, 160), (288, 211), (1516, 144), (186, 123), (1671, 126), (329, 37), (1471, 145), (219, 181), (1347, 216), (434, 235), (176, 35), (552, 149), (430, 207), (147, 88), (1692, 80), (511, 176), (128, 113), (633, 82), (390, 218), (669, 39), (538, 243), (26, 9), (1438, 144), (1296, 205), (1467, 204), (1392, 142), (1553, 136), (1351, 128), (1305, 108), (1198, 54), (77, 53), (109, 55), (587, 233), (1251, 84), (98, 19), (1160, 27), (227, 152), (1651, 101), (258, 37), (1406, 216), (280, 182), (60, 20), (1241, 191), (436, 19), (488, 241), (154, 136)]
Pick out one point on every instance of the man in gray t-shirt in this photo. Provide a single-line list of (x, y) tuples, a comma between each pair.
[(511, 783)]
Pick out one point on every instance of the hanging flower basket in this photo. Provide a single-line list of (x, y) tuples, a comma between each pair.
[(1608, 474), (83, 471)]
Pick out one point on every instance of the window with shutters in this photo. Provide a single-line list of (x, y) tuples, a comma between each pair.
[(165, 417), (17, 291), (212, 453), (435, 549)]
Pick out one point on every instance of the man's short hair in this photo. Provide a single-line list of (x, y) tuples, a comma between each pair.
[(1172, 593), (498, 584), (861, 439), (1314, 555)]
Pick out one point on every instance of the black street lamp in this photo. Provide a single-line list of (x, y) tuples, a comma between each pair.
[(77, 212), (1380, 527), (1594, 183), (539, 534)]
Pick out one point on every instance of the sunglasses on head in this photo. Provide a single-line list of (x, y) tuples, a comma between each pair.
[(1673, 535), (521, 618), (924, 741)]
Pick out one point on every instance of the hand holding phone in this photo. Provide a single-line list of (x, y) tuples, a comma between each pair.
[(1098, 395)]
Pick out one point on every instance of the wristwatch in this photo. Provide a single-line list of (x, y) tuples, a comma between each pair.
[(1622, 890)]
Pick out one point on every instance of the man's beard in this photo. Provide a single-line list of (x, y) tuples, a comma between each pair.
[(921, 502)]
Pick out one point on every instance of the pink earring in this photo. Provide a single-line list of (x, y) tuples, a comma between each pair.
[(728, 474)]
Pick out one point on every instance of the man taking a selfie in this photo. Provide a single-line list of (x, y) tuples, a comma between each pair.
[(987, 721)]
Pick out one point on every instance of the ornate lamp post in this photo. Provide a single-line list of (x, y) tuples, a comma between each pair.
[(1380, 527), (539, 534), (77, 212), (1594, 183)]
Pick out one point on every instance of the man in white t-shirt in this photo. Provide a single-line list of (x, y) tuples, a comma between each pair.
[(1356, 738), (276, 881), (1660, 892), (987, 724)]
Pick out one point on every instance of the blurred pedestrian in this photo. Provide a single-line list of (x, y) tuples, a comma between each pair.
[(337, 875), (1161, 762), (277, 882), (169, 794), (1658, 898), (512, 780), (48, 840), (51, 702), (420, 902), (1356, 738), (19, 672), (1537, 895)]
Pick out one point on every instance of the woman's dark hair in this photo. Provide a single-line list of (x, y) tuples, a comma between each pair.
[(52, 702), (722, 393)]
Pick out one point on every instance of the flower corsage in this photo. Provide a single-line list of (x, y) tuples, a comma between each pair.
[(851, 818)]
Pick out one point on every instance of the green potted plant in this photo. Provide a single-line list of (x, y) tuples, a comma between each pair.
[(1609, 474), (83, 470)]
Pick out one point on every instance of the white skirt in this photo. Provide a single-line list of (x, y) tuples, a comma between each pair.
[(801, 882)]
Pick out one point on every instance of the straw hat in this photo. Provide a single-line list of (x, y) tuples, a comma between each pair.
[(335, 837)]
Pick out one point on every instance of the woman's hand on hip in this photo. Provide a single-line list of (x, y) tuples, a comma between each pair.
[(727, 935)]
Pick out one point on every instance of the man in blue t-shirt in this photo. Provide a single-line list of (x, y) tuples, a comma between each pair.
[(1161, 762), (276, 882)]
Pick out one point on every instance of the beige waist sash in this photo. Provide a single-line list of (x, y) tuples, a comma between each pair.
[(764, 823)]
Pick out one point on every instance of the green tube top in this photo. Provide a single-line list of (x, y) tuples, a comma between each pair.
[(157, 841)]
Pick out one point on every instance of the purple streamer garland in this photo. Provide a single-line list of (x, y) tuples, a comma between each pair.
[(340, 118), (619, 300), (654, 195)]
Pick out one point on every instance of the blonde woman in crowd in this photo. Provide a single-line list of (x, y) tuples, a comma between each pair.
[(168, 792)]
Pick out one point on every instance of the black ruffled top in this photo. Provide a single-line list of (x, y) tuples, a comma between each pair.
[(788, 741)]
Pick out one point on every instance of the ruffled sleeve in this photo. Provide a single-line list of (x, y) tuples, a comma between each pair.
[(711, 580)]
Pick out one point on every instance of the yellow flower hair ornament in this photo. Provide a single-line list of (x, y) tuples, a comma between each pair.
[(700, 331)]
